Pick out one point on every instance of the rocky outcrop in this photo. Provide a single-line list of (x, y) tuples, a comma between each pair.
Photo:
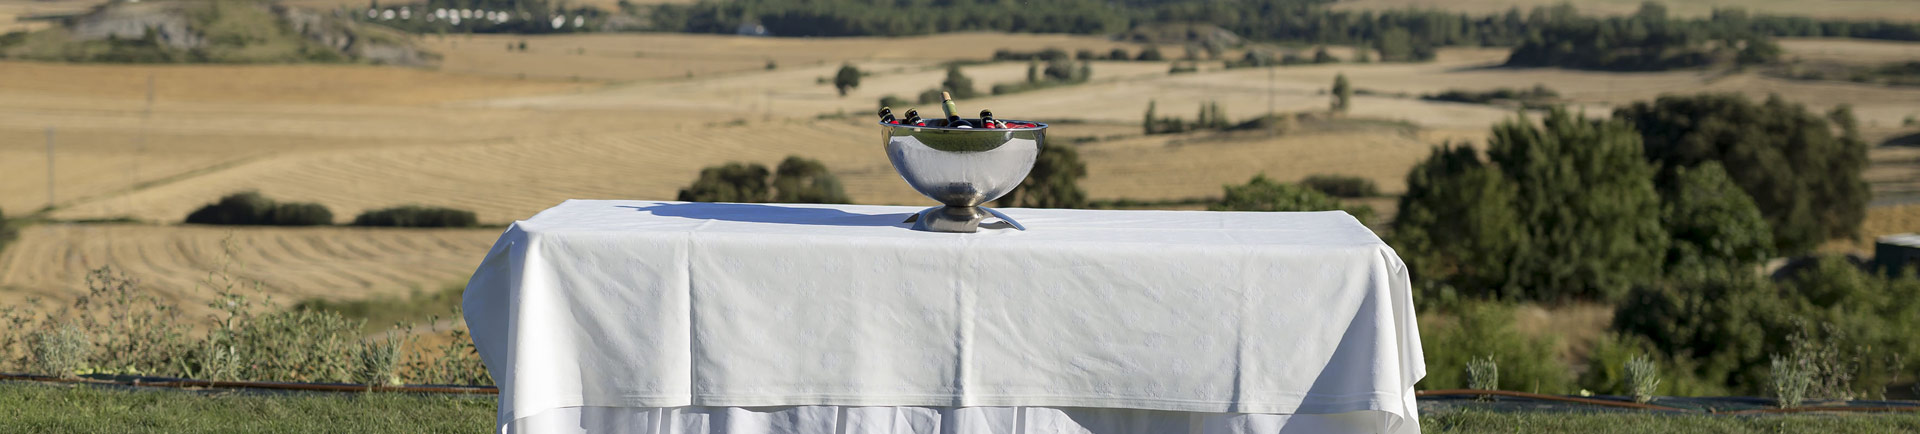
[(133, 21), (380, 46), (174, 25)]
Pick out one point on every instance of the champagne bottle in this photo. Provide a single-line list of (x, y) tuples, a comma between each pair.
[(953, 115), (886, 115), (913, 117), (986, 118)]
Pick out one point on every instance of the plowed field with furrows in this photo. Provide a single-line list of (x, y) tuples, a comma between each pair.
[(291, 264), (511, 181)]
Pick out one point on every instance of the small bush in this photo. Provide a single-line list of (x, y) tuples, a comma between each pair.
[(1263, 194), (1346, 186), (798, 180), (250, 208), (7, 232), (414, 216), (1150, 54), (894, 101), (929, 96), (1790, 382), (300, 345), (802, 180), (121, 328), (1643, 378), (1485, 329), (299, 214), (379, 362), (733, 182), (1483, 373), (242, 208), (61, 351)]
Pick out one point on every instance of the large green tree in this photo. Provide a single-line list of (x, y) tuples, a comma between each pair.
[(1712, 222), (732, 182), (1265, 194), (1457, 223), (1342, 93), (1054, 181), (1585, 195), (958, 83), (796, 180), (847, 78), (1803, 175), (1566, 209), (7, 232), (802, 180)]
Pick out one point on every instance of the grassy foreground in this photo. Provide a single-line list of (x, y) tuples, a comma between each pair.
[(1480, 421), (41, 408)]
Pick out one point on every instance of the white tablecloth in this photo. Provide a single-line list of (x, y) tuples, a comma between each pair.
[(698, 309)]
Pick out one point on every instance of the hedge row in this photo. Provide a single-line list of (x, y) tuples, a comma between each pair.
[(250, 208)]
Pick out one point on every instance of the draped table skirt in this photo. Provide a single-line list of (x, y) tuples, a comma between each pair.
[(833, 419), (670, 317)]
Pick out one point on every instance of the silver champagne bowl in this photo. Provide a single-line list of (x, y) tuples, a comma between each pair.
[(962, 168)]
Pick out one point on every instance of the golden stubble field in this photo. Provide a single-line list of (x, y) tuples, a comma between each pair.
[(508, 134)]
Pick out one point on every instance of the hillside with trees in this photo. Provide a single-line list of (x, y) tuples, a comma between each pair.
[(222, 31), (1543, 36)]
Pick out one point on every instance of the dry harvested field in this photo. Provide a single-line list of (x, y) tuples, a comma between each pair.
[(1850, 51), (52, 260), (11, 11), (473, 134), (1850, 9), (625, 57)]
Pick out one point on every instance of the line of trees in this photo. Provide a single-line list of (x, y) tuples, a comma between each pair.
[(1406, 32), (1582, 209), (795, 180), (1665, 210), (250, 208)]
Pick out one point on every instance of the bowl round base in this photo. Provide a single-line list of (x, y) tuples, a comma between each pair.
[(961, 219)]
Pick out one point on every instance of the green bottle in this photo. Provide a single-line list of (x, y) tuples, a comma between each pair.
[(953, 114)]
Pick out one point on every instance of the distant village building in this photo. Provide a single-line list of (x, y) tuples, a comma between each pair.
[(752, 29), (1894, 253)]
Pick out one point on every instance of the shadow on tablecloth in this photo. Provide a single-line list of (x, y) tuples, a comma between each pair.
[(773, 214)]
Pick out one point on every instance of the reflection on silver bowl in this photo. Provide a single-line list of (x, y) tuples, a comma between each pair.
[(961, 168)]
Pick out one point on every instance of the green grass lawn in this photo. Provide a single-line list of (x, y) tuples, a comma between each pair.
[(1480, 421), (45, 408)]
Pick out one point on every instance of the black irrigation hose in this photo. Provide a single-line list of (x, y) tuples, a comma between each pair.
[(1536, 396), (183, 384), (490, 390), (1634, 405)]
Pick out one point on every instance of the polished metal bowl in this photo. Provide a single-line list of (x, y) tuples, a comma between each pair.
[(962, 168)]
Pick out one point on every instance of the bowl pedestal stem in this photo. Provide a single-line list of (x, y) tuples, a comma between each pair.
[(965, 219)]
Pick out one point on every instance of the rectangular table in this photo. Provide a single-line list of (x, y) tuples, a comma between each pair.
[(669, 317)]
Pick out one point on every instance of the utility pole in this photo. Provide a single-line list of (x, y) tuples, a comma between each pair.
[(1271, 120), (50, 168), (140, 142)]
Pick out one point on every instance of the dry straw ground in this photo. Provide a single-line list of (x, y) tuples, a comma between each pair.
[(475, 134)]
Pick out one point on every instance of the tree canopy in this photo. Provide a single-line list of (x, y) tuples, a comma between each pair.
[(847, 78), (1264, 194), (797, 180), (1802, 174), (802, 180), (1054, 181), (1563, 210)]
